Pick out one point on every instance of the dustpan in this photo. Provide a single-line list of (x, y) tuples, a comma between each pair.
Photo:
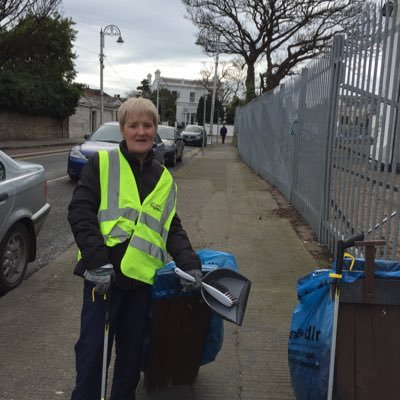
[(238, 286)]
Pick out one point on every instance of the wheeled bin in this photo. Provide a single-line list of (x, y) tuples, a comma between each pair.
[(185, 333), (362, 351), (367, 340)]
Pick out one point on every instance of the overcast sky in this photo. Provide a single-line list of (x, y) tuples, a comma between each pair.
[(156, 36)]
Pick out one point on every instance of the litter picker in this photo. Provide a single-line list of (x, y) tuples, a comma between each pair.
[(381, 223), (105, 347), (335, 291)]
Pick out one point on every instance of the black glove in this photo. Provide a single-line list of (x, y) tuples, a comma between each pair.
[(100, 277), (188, 285)]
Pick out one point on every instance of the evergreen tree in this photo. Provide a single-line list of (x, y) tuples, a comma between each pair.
[(166, 105), (38, 79), (144, 89), (218, 110), (231, 110)]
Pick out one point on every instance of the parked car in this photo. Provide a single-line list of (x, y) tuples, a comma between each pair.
[(173, 144), (23, 210), (105, 137), (194, 135)]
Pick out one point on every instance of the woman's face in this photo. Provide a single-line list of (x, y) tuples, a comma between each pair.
[(139, 132)]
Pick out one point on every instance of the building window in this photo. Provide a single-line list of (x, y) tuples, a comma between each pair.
[(175, 93), (192, 97)]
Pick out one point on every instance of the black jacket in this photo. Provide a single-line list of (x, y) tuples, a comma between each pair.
[(85, 227)]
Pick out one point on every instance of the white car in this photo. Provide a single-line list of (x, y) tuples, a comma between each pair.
[(23, 210)]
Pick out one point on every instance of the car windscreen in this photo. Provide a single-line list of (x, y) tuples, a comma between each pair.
[(196, 129), (166, 133), (107, 133)]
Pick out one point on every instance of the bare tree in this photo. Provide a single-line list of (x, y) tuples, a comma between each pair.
[(13, 13), (229, 82), (280, 33), (233, 80)]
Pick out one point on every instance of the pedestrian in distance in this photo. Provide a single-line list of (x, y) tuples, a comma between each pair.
[(123, 217), (223, 131)]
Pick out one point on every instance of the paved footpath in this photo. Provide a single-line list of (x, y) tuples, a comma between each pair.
[(224, 206)]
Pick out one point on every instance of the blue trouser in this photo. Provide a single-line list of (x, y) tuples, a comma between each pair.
[(129, 310)]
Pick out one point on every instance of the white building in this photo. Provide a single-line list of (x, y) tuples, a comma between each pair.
[(188, 93)]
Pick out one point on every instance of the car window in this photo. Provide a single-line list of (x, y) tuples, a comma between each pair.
[(166, 132), (193, 128), (2, 172), (107, 133)]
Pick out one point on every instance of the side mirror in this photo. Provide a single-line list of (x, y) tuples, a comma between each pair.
[(87, 136)]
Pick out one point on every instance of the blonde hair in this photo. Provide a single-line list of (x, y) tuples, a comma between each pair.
[(137, 105)]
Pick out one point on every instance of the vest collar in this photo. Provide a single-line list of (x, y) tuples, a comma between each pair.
[(132, 158)]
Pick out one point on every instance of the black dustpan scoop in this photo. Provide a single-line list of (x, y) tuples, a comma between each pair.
[(225, 292), (237, 285)]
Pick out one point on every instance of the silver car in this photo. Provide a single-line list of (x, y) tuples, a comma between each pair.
[(23, 210), (173, 144)]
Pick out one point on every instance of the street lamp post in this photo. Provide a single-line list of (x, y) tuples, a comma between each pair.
[(159, 82), (158, 99), (214, 90), (204, 123), (204, 42), (109, 30)]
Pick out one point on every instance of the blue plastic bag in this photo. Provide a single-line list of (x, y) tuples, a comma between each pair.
[(310, 335)]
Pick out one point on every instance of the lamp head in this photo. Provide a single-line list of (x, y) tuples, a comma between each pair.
[(120, 40)]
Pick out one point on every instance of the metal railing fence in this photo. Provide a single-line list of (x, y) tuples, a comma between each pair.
[(328, 139)]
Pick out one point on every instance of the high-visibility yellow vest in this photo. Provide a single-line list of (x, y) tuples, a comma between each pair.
[(121, 216)]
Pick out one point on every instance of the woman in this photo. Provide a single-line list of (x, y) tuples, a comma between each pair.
[(124, 221)]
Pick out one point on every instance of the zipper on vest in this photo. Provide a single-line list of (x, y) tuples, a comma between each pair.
[(140, 183)]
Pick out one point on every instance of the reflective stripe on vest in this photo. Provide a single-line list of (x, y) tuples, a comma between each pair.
[(117, 219), (121, 215)]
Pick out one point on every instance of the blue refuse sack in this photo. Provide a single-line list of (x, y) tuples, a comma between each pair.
[(167, 284), (310, 336)]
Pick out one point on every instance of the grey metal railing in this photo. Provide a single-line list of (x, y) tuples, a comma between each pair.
[(328, 139)]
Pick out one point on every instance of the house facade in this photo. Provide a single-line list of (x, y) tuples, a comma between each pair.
[(87, 115), (188, 93), (86, 118)]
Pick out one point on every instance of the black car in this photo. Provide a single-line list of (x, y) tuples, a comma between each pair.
[(173, 144), (194, 135)]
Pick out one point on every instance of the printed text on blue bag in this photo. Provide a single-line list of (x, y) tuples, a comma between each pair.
[(311, 333)]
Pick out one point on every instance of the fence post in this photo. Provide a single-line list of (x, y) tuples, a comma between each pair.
[(278, 131), (298, 128), (337, 67)]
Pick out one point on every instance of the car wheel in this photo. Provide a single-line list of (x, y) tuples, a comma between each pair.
[(14, 255), (173, 160)]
